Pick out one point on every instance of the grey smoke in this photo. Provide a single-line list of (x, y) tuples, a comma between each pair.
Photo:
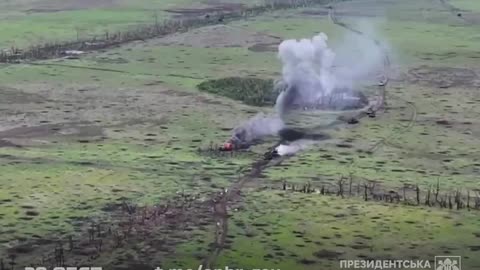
[(358, 57), (317, 82), (307, 68), (257, 128)]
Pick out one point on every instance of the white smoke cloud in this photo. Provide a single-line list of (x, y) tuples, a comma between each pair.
[(258, 127), (293, 148), (359, 57), (307, 63), (314, 73), (316, 70)]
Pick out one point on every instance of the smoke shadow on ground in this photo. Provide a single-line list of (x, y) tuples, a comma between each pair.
[(289, 135)]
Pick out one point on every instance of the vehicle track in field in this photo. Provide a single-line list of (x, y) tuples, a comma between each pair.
[(383, 88), (232, 193)]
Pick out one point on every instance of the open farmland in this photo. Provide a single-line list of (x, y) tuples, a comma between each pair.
[(111, 157), (32, 22)]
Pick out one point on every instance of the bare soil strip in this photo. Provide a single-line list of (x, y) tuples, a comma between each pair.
[(79, 67), (232, 194)]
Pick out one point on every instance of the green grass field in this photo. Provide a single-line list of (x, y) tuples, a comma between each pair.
[(25, 23), (80, 137)]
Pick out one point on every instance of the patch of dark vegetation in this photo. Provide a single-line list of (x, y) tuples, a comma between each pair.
[(307, 261), (31, 213), (22, 249), (443, 122), (344, 145), (251, 91), (360, 245), (475, 248), (326, 254), (4, 143), (264, 47)]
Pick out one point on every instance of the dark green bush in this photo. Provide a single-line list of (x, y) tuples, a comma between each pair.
[(251, 91)]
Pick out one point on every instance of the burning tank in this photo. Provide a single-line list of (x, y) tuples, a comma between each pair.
[(316, 93), (299, 117)]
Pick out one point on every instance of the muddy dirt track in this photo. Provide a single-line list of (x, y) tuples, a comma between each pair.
[(172, 217), (186, 212), (234, 191)]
